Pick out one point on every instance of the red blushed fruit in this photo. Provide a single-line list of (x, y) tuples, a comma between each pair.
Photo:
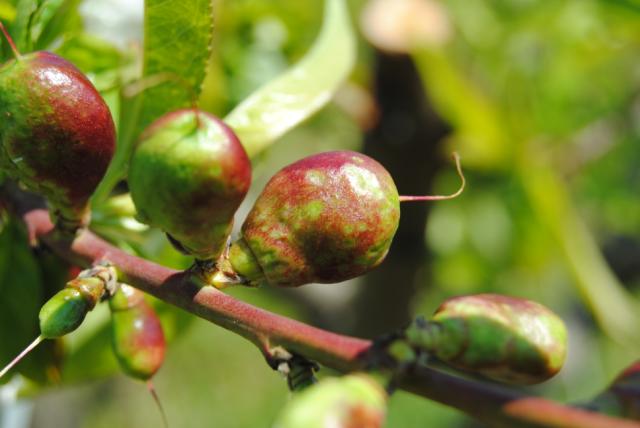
[(325, 218), (137, 337), (57, 133), (188, 176)]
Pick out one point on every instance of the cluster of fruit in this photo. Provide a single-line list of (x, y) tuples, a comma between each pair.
[(326, 218), (58, 138)]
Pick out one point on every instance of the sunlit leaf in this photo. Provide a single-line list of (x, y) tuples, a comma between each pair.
[(302, 90)]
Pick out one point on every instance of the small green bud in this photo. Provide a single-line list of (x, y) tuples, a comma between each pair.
[(63, 313), (503, 338), (354, 400)]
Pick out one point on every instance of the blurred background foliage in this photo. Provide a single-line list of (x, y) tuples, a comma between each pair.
[(541, 99)]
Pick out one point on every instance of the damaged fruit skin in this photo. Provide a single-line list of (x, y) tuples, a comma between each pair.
[(326, 218), (188, 176), (57, 133), (504, 338)]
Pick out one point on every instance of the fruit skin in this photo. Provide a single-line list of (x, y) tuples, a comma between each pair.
[(326, 218), (352, 401), (503, 338), (188, 176), (57, 133), (136, 334)]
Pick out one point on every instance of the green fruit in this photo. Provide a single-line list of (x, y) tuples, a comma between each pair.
[(326, 218), (66, 310), (503, 338), (57, 133), (137, 336), (188, 176), (354, 400)]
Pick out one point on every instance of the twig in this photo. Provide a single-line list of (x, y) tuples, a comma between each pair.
[(493, 405)]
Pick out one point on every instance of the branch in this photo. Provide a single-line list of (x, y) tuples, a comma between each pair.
[(488, 403)]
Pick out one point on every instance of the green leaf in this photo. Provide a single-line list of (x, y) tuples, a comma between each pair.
[(613, 307), (178, 38), (90, 53), (21, 294), (53, 19), (302, 90), (39, 22), (21, 26), (177, 46)]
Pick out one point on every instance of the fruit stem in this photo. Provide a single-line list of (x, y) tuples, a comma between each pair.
[(22, 354), (196, 113), (15, 50), (154, 395), (456, 158)]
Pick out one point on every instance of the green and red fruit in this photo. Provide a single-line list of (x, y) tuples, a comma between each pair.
[(137, 336), (503, 338), (354, 400), (57, 133), (188, 176), (326, 218)]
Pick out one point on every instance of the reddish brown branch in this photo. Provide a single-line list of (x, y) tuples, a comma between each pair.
[(491, 404)]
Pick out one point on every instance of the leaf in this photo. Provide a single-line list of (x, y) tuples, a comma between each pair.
[(55, 18), (613, 307), (39, 22), (90, 53), (21, 294), (20, 27), (178, 38), (177, 46), (302, 90)]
